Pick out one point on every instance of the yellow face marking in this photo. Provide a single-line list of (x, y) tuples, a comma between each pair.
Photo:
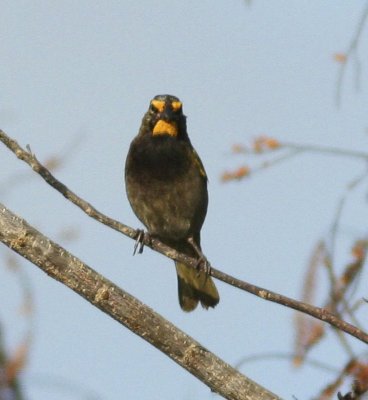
[(176, 105), (165, 128), (158, 104)]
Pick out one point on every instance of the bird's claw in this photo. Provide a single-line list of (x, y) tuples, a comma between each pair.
[(139, 243), (202, 262), (203, 265)]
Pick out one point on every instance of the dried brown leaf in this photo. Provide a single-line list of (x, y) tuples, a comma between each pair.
[(17, 361), (238, 174), (308, 330)]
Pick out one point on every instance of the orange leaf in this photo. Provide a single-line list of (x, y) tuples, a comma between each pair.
[(263, 143), (340, 57), (237, 174), (16, 363), (238, 148)]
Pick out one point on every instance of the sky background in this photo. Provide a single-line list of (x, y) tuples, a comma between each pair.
[(76, 79)]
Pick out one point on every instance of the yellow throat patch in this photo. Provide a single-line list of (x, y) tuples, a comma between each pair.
[(165, 128)]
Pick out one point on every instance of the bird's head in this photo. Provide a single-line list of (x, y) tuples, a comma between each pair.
[(165, 117)]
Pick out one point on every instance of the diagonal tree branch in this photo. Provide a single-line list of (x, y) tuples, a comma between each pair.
[(317, 312), (126, 309)]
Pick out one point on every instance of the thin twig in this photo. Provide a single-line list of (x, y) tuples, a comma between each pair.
[(297, 147), (344, 343), (317, 312), (334, 230), (276, 160), (351, 51), (324, 149), (285, 356), (155, 244)]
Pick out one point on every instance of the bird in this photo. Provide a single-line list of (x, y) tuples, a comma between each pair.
[(166, 186)]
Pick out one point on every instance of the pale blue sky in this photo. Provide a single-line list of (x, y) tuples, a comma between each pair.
[(88, 69)]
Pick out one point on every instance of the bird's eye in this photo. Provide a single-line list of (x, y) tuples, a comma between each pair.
[(153, 109)]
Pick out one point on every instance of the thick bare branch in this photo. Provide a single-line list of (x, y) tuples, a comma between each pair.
[(153, 243), (129, 311)]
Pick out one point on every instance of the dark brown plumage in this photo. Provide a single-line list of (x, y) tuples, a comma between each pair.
[(167, 188)]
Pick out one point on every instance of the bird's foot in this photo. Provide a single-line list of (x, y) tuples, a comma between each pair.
[(202, 262), (140, 239)]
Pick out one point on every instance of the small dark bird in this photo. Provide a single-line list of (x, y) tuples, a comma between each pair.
[(167, 188)]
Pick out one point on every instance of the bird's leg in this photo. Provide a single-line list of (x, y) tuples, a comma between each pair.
[(202, 262), (139, 243)]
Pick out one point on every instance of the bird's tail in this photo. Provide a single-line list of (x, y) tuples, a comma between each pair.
[(195, 286)]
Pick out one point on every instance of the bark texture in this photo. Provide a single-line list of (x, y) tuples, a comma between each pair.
[(126, 309)]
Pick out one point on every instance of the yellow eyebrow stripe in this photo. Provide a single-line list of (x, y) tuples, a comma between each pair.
[(176, 105), (158, 104)]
